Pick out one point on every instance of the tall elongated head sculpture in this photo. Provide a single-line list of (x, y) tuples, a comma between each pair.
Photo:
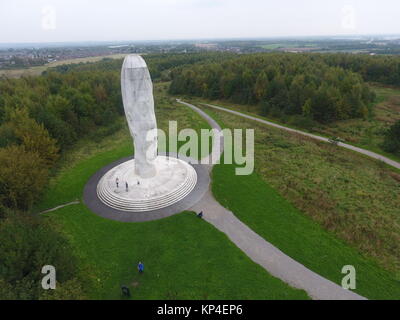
[(148, 182), (137, 96)]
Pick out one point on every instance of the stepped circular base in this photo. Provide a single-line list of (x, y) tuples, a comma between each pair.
[(175, 179)]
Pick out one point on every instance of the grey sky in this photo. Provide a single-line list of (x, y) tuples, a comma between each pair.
[(98, 20)]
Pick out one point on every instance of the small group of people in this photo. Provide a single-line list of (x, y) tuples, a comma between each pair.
[(140, 265), (126, 292), (126, 184)]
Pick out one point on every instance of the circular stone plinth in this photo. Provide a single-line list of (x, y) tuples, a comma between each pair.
[(93, 202), (174, 180)]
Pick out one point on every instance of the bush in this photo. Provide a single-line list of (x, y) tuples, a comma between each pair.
[(302, 122), (392, 139)]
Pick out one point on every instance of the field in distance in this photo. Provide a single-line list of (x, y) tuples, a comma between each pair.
[(36, 71)]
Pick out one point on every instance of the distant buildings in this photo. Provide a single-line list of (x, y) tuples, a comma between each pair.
[(207, 46)]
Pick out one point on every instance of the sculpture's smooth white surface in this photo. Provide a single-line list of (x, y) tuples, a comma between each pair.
[(137, 96), (149, 182)]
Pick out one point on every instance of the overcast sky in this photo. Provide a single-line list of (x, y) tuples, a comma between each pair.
[(109, 20)]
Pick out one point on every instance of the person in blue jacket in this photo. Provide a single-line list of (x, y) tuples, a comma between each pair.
[(140, 267)]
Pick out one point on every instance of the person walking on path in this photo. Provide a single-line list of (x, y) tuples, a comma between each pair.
[(126, 186), (117, 182), (140, 267)]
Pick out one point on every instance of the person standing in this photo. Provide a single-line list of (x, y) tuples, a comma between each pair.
[(126, 186), (140, 267), (125, 291), (117, 182)]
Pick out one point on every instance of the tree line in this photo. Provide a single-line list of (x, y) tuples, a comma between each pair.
[(40, 117), (283, 84), (160, 65), (383, 69)]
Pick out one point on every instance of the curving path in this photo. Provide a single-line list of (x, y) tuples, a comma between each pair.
[(257, 248), (340, 144), (60, 206)]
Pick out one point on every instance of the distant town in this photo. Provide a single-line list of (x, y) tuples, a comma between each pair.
[(17, 56)]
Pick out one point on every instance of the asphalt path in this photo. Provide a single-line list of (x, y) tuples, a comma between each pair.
[(257, 248), (368, 153)]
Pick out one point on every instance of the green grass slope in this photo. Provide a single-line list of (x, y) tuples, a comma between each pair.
[(184, 257), (277, 221)]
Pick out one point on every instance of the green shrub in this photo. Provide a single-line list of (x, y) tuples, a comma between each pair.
[(27, 244), (392, 139), (302, 122)]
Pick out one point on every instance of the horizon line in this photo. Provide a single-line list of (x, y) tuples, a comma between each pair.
[(199, 39)]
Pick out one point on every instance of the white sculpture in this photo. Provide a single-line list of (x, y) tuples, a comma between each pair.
[(148, 182), (137, 96)]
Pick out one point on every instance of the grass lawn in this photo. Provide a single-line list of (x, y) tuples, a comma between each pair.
[(184, 257), (265, 211), (353, 197)]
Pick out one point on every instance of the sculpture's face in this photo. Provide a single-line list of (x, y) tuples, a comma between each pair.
[(139, 116)]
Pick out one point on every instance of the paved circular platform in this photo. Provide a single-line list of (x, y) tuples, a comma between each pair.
[(95, 204), (122, 189)]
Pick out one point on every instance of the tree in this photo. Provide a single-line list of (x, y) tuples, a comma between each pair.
[(261, 86), (23, 174), (33, 136), (265, 108), (306, 109), (296, 94), (392, 139)]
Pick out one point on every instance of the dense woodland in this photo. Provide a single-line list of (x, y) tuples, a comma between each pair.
[(384, 69), (284, 84), (308, 89), (42, 116)]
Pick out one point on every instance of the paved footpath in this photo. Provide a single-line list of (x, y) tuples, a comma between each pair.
[(261, 251), (60, 207)]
